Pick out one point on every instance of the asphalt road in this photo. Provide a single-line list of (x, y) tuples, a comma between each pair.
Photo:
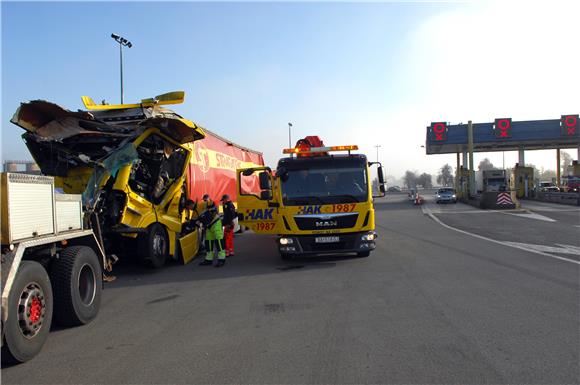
[(430, 306)]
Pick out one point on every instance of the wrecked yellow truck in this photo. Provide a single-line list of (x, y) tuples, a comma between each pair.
[(130, 163)]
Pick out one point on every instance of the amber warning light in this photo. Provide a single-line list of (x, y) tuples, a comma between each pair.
[(306, 149)]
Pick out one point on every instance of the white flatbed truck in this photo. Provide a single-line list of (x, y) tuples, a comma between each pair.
[(52, 267)]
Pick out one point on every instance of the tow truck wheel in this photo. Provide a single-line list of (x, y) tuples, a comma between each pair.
[(29, 315), (154, 246), (77, 286)]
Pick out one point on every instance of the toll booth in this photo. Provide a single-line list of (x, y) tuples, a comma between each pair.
[(462, 177), (522, 181)]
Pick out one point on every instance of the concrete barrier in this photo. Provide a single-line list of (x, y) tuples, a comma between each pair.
[(572, 199), (494, 200)]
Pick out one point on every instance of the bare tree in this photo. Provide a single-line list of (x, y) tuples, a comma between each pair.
[(425, 180), (566, 161), (445, 177), (485, 165), (410, 179)]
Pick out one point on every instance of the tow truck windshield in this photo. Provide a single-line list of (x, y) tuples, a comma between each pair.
[(325, 186)]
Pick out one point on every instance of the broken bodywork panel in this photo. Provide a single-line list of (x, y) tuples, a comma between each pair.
[(128, 161)]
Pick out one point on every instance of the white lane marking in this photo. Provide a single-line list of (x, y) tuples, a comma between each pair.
[(439, 209), (531, 215), (428, 212), (536, 206), (562, 249)]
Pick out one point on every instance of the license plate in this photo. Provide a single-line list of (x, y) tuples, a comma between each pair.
[(326, 239)]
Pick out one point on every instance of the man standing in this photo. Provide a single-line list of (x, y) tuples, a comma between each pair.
[(229, 211), (214, 236)]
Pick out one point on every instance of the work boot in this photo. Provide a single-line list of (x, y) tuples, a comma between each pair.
[(220, 263), (206, 262)]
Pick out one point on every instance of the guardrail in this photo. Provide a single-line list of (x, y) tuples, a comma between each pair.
[(560, 197)]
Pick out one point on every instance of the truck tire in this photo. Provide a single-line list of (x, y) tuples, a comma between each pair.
[(153, 247), (363, 254), (30, 313), (76, 278)]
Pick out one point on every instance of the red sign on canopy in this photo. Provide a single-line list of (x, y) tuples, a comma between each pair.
[(503, 128), (569, 125), (438, 131)]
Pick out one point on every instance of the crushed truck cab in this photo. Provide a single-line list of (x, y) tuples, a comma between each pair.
[(130, 164), (317, 202)]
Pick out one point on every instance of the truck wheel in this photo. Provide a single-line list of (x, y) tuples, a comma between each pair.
[(29, 315), (154, 246), (363, 254), (77, 285)]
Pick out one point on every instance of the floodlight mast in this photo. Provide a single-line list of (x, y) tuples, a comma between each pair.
[(122, 42)]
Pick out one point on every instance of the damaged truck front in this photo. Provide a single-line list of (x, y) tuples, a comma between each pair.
[(129, 162)]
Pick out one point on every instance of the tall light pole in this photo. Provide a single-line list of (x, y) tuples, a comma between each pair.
[(377, 147), (122, 42)]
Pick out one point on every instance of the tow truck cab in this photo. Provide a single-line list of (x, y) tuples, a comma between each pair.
[(317, 202)]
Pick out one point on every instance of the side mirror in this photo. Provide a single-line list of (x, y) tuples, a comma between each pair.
[(265, 181), (266, 195), (248, 172), (381, 175), (282, 173)]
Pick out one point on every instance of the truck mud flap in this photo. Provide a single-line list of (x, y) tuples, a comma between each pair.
[(189, 244)]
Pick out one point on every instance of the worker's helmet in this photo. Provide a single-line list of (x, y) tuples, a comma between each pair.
[(225, 198)]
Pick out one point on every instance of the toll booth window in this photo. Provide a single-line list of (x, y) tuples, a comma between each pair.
[(159, 165)]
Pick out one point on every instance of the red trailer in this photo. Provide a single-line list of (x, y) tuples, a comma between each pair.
[(213, 167)]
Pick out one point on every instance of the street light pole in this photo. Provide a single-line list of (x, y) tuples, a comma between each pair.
[(377, 147), (122, 42)]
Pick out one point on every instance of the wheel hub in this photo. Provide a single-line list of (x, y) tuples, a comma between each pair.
[(31, 310)]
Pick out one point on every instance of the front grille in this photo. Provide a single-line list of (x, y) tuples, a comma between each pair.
[(326, 222), (347, 242)]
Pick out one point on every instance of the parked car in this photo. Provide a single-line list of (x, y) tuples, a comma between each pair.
[(548, 186), (446, 195), (394, 189), (570, 184)]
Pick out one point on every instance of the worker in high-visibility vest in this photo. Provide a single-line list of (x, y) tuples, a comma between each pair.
[(214, 236), (230, 215)]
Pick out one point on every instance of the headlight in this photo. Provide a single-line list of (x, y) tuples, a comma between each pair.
[(438, 196), (369, 237), (286, 241), (454, 196)]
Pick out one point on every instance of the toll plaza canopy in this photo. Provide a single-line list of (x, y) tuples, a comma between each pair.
[(504, 135)]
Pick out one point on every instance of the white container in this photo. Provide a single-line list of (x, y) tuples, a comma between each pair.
[(69, 212), (28, 209)]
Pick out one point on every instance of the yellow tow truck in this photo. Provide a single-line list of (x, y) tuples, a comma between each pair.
[(316, 201)]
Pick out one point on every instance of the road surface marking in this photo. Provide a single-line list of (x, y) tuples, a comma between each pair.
[(531, 215), (562, 249), (428, 212)]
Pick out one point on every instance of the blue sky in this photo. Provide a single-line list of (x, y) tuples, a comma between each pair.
[(350, 72)]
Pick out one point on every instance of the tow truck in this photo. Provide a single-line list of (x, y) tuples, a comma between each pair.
[(316, 201)]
